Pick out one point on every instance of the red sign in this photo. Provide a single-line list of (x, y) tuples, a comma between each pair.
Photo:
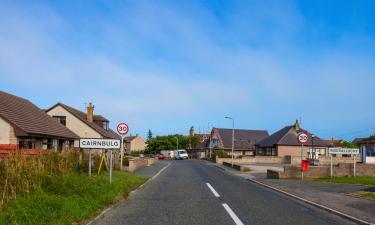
[(302, 138), (122, 128)]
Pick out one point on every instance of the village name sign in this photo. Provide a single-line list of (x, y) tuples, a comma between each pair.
[(93, 143)]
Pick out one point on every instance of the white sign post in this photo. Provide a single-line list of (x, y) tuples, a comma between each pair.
[(302, 138), (97, 143), (122, 129), (344, 151)]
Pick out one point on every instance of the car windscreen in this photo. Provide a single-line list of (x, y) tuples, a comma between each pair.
[(182, 152)]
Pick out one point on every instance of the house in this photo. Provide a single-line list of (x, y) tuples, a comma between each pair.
[(84, 125), (26, 126), (244, 140), (367, 149), (200, 149), (134, 144), (284, 143)]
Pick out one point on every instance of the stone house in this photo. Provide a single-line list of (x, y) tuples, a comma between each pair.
[(84, 125), (244, 140), (284, 143), (134, 144), (25, 126)]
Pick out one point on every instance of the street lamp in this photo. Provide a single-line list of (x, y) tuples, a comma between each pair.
[(177, 142), (230, 118)]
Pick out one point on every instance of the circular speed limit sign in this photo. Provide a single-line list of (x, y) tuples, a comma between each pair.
[(122, 128), (302, 138)]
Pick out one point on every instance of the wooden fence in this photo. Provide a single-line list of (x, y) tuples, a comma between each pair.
[(7, 150)]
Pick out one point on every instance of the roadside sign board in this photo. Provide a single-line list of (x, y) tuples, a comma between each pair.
[(122, 128), (98, 143), (346, 151), (302, 138)]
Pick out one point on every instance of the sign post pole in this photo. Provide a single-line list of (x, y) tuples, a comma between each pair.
[(110, 167), (302, 138), (301, 161), (90, 162), (122, 152), (122, 129), (354, 161), (331, 166)]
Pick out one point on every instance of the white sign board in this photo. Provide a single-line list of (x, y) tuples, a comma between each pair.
[(97, 143), (346, 151)]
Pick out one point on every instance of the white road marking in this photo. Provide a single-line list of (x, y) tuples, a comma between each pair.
[(232, 214), (213, 190)]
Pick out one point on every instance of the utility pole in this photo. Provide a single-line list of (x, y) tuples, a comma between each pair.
[(227, 117)]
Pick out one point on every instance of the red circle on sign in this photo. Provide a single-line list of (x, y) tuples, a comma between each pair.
[(302, 138), (122, 128)]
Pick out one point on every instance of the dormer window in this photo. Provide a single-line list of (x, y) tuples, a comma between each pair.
[(105, 125), (60, 119)]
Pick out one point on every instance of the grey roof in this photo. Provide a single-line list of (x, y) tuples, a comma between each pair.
[(29, 120), (83, 117), (243, 139), (288, 136)]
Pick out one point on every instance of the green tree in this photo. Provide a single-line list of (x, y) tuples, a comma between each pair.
[(149, 134)]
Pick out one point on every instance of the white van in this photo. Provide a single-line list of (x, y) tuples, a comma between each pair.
[(180, 154)]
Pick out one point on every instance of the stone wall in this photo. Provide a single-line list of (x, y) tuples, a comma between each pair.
[(252, 159), (139, 163), (237, 167), (340, 170)]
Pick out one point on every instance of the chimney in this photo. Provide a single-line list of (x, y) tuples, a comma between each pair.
[(297, 126), (90, 113)]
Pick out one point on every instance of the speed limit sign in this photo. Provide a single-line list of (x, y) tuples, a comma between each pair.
[(122, 128), (302, 138)]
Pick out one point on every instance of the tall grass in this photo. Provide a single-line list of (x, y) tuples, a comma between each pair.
[(21, 174)]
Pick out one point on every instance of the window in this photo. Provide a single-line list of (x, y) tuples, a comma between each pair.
[(60, 119), (105, 125)]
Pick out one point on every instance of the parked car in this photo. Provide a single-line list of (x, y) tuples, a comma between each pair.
[(161, 156)]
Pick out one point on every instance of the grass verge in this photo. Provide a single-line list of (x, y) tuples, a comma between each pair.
[(367, 194), (68, 199), (349, 180)]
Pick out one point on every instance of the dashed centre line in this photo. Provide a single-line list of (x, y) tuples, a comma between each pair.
[(232, 214), (213, 190), (235, 218)]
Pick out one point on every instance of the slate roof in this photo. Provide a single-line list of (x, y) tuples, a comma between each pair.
[(129, 138), (83, 117), (243, 139), (29, 120), (288, 136)]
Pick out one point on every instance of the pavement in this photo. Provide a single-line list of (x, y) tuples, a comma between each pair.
[(199, 192), (340, 197)]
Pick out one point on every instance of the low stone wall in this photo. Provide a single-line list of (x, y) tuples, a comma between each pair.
[(237, 167), (340, 170), (252, 159), (139, 163)]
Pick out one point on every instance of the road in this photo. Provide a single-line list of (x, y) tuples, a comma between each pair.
[(198, 192)]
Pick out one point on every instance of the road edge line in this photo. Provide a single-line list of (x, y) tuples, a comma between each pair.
[(344, 215), (130, 193)]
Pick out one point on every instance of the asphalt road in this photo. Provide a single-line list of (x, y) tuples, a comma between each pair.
[(181, 195)]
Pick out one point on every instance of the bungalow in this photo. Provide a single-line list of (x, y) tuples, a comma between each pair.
[(134, 144), (284, 143), (367, 146), (84, 125), (26, 126), (244, 140)]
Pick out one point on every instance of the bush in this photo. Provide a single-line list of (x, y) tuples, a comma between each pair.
[(125, 160), (220, 154)]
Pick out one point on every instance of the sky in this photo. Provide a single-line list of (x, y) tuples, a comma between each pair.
[(169, 65)]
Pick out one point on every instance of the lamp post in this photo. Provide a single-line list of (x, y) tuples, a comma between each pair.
[(312, 146), (230, 118), (177, 142)]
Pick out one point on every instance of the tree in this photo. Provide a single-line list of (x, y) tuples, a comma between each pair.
[(149, 135)]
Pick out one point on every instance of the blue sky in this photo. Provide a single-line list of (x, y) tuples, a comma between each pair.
[(169, 65)]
